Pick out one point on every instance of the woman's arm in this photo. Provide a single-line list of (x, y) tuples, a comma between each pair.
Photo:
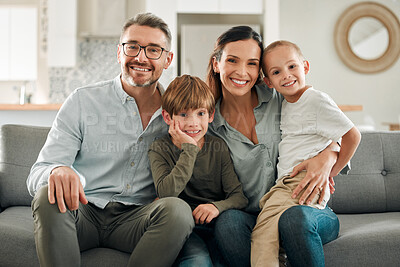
[(318, 170)]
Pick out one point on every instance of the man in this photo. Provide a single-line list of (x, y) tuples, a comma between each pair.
[(92, 184)]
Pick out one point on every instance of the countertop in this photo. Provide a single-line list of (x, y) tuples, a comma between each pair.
[(30, 107)]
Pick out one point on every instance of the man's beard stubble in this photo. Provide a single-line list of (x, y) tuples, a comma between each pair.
[(129, 79)]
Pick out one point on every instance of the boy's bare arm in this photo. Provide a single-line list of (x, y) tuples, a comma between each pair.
[(350, 142)]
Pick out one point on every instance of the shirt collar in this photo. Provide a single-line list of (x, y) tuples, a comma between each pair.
[(123, 96), (264, 94)]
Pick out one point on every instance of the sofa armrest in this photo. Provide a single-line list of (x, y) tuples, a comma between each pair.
[(19, 148)]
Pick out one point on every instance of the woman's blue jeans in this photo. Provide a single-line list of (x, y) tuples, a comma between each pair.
[(303, 231)]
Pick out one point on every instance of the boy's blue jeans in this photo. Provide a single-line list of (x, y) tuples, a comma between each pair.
[(303, 231), (200, 249)]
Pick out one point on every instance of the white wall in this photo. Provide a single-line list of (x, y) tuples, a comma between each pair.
[(310, 24)]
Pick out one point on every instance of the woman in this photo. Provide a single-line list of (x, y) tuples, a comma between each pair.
[(247, 117)]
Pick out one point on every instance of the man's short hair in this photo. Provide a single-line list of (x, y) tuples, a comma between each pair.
[(187, 92), (151, 20)]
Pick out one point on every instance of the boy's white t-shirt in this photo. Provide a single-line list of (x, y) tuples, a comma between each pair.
[(308, 126)]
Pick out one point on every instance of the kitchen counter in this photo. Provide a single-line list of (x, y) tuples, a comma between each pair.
[(30, 107), (28, 114)]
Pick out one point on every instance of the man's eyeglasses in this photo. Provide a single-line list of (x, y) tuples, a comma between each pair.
[(151, 51)]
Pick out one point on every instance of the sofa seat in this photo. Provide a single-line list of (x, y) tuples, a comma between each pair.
[(366, 240), (16, 235)]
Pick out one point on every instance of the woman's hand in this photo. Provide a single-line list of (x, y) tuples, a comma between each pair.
[(317, 177)]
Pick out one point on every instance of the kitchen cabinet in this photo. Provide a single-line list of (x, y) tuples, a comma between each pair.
[(62, 40), (18, 48), (105, 18), (220, 6)]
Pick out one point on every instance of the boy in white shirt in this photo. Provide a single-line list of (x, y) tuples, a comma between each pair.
[(310, 121)]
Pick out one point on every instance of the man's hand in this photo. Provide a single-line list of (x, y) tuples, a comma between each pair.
[(178, 136), (204, 213), (65, 186)]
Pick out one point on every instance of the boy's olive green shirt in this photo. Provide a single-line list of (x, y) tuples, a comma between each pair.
[(196, 176)]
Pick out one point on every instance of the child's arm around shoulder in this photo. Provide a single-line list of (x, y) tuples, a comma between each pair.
[(350, 142)]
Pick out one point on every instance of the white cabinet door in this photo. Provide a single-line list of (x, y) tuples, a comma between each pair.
[(220, 6), (5, 43), (18, 47), (62, 33), (23, 42), (196, 6), (240, 7)]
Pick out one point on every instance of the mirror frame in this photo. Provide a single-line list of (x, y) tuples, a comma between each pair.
[(342, 45)]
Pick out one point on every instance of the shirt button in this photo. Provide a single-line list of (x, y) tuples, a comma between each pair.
[(128, 186), (384, 173), (140, 139), (269, 164), (134, 113), (132, 163), (262, 146)]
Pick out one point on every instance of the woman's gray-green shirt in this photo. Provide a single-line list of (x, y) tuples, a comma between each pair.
[(196, 176), (255, 164)]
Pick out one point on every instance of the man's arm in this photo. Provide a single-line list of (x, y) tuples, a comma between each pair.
[(60, 149)]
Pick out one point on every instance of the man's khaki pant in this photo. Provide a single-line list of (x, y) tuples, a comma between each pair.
[(152, 233), (265, 235)]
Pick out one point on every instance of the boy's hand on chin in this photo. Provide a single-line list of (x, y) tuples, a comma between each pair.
[(178, 136)]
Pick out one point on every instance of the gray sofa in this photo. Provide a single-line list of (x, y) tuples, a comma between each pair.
[(367, 201)]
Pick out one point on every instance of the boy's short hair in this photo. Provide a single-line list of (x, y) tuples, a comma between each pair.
[(187, 92), (280, 43)]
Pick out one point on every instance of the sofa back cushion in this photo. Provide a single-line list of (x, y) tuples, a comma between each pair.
[(19, 148), (373, 183)]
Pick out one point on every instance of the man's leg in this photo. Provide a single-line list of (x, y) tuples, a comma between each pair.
[(154, 232), (303, 231), (233, 236), (56, 235)]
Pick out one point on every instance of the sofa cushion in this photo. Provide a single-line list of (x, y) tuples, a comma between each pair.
[(365, 240), (17, 246), (373, 182), (19, 148)]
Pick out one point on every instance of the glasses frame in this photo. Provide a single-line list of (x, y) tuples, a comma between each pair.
[(144, 49)]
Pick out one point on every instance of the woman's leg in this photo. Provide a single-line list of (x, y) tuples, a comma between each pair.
[(303, 230), (233, 236)]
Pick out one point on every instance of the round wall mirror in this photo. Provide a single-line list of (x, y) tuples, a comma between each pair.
[(367, 37)]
